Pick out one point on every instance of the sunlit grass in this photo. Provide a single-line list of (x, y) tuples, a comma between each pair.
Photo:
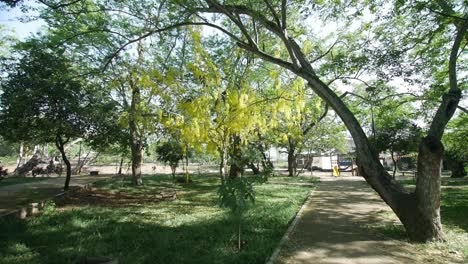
[(191, 229)]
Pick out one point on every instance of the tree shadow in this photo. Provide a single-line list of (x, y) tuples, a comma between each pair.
[(338, 226)]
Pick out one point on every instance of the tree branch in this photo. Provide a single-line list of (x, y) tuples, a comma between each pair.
[(311, 125), (283, 14), (451, 99), (273, 12)]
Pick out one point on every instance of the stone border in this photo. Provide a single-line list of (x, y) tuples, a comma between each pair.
[(290, 229)]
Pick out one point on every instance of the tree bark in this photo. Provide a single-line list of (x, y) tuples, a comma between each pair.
[(173, 171), (20, 155), (221, 165), (187, 174), (120, 166), (427, 216), (292, 163), (79, 160), (237, 166), (136, 163), (60, 144), (394, 163), (135, 140)]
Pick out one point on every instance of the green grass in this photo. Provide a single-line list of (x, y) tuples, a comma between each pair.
[(454, 214), (191, 229), (18, 180)]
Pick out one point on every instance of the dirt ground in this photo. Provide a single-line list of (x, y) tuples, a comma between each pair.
[(15, 196), (335, 227)]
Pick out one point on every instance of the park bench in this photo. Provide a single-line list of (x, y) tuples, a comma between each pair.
[(94, 173)]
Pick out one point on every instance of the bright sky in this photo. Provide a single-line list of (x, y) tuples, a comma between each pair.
[(11, 19)]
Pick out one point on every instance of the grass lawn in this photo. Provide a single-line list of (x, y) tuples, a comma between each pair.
[(191, 229), (18, 180), (454, 213)]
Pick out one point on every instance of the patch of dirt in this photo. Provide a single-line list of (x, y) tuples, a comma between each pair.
[(95, 197)]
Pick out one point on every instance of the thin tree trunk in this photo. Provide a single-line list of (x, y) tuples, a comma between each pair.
[(60, 144), (292, 164), (187, 175), (120, 166), (394, 163), (221, 165), (255, 169), (239, 240), (20, 155), (79, 160), (136, 144), (173, 171), (237, 167)]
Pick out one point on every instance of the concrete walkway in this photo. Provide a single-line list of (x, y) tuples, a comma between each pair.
[(333, 228), (14, 196)]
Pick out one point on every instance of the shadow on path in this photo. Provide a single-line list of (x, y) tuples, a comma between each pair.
[(334, 227)]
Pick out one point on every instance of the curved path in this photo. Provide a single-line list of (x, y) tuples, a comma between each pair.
[(334, 227)]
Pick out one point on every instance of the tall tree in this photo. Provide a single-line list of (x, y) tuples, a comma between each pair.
[(255, 25), (44, 100)]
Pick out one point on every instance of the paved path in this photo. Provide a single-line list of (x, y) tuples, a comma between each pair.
[(14, 196), (332, 228)]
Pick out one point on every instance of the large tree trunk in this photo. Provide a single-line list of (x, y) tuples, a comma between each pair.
[(427, 220), (60, 144), (419, 210)]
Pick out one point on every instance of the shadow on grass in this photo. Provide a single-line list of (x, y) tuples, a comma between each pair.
[(20, 180), (454, 207), (454, 201), (192, 229)]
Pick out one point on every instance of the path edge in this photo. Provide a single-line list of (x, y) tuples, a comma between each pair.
[(292, 226)]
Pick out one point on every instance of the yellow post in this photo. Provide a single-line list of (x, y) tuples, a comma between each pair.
[(336, 171)]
